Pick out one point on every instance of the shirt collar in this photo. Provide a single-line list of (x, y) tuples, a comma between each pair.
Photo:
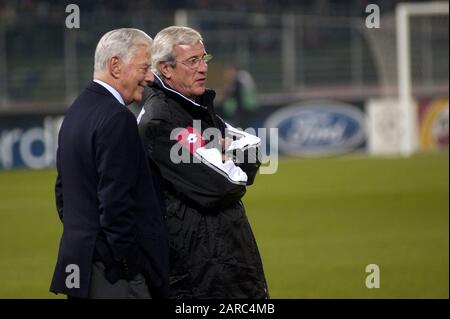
[(112, 90)]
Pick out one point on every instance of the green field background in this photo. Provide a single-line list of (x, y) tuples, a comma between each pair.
[(318, 223)]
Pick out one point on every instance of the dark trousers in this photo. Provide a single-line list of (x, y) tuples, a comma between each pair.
[(101, 288)]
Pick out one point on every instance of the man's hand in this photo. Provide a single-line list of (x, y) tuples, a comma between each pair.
[(225, 143)]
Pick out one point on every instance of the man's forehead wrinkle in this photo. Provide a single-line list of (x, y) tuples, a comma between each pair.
[(189, 50)]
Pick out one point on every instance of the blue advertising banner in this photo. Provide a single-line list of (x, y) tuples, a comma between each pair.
[(28, 141), (308, 128), (318, 128)]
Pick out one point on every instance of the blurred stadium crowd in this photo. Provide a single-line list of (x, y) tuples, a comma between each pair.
[(320, 7)]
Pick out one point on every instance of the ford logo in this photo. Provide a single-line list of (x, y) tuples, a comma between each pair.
[(318, 128)]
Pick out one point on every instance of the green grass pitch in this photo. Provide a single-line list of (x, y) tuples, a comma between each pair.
[(318, 223)]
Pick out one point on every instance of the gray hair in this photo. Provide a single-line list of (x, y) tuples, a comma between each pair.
[(120, 43), (166, 39)]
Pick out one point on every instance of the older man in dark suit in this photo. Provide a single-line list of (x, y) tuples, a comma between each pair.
[(114, 241)]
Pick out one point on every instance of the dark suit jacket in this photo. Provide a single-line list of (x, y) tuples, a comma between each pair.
[(107, 198)]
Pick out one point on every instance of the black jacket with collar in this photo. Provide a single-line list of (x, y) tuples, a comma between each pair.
[(213, 253)]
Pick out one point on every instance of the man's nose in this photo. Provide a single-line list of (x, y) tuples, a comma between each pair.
[(149, 76), (203, 67)]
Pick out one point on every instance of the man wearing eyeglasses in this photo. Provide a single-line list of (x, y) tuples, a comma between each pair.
[(213, 253)]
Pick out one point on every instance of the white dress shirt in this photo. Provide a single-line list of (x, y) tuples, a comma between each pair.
[(112, 90)]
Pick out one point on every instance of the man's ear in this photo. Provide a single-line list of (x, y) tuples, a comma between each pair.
[(165, 69), (114, 66)]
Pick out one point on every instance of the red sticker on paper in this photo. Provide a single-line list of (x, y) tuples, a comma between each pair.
[(190, 138)]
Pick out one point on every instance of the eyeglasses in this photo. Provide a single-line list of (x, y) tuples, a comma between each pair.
[(194, 62)]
